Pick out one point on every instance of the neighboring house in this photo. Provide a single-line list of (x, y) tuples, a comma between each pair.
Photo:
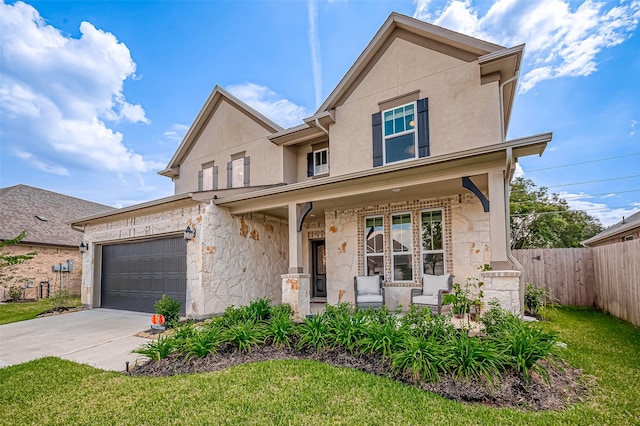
[(43, 215), (403, 171), (626, 230)]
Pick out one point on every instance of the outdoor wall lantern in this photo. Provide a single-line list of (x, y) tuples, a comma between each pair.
[(83, 247), (189, 233)]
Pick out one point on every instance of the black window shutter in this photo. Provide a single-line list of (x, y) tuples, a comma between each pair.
[(423, 127), (246, 171), (200, 180), (215, 177), (310, 164), (229, 175), (376, 125)]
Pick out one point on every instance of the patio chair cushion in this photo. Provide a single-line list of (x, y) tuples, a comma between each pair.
[(426, 300), (369, 285), (370, 298), (431, 284)]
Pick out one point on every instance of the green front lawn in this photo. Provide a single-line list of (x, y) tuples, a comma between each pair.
[(52, 391), (14, 312)]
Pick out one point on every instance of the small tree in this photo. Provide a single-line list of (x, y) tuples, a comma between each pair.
[(8, 262)]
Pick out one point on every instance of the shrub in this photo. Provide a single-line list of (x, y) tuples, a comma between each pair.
[(234, 315), (203, 341), (416, 319), (312, 333), (61, 298), (259, 309), (534, 299), (424, 359), (496, 319), (524, 345), (15, 293), (169, 308), (157, 349), (282, 309), (382, 339), (279, 330), (471, 357), (245, 335), (345, 330)]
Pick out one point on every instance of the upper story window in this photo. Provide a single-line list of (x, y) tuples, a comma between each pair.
[(318, 160), (401, 133), (208, 177), (238, 171), (627, 238)]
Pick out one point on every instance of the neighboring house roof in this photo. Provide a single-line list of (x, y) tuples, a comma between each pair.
[(622, 227), (43, 214), (217, 95)]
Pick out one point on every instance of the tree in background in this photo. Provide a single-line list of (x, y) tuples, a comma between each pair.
[(540, 220), (7, 263)]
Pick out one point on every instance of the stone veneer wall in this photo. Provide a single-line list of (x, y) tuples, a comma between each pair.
[(39, 269), (238, 259), (467, 244), (232, 260)]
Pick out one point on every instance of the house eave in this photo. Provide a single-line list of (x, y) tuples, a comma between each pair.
[(520, 147), (612, 233), (186, 197)]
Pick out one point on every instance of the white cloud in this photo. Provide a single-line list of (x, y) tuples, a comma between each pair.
[(633, 125), (607, 215), (269, 103), (314, 43), (41, 165), (60, 96), (176, 132), (519, 171), (561, 41)]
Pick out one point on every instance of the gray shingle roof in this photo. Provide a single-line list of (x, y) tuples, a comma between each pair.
[(43, 215), (626, 224)]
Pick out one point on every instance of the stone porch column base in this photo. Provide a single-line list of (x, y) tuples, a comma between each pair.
[(504, 286), (295, 292)]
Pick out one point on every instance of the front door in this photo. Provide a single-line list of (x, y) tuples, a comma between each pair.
[(319, 266)]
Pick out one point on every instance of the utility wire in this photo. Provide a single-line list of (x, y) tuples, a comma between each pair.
[(579, 183), (583, 162), (573, 211)]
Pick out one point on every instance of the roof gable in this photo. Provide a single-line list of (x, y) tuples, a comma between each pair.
[(208, 110), (431, 36), (43, 214), (625, 225)]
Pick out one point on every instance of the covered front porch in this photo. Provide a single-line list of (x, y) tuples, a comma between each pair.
[(382, 222)]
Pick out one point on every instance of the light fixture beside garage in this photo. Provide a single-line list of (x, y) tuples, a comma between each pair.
[(189, 233), (83, 247)]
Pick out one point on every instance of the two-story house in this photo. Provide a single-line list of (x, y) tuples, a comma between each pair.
[(403, 171)]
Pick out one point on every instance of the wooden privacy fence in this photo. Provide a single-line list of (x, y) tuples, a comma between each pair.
[(607, 277)]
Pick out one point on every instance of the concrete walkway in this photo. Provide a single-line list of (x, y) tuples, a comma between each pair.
[(102, 338)]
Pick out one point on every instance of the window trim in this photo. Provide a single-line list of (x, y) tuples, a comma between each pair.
[(364, 241), (627, 237), (414, 131), (442, 251), (315, 165), (393, 253)]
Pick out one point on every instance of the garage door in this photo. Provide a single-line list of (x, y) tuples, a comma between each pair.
[(136, 275)]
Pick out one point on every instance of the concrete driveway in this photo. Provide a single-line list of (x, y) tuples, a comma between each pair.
[(102, 338)]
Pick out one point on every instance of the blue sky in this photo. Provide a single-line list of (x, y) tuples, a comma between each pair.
[(95, 96)]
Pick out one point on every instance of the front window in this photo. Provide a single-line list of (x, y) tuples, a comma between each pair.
[(237, 173), (320, 162), (207, 178), (374, 246), (399, 133), (432, 243), (401, 247)]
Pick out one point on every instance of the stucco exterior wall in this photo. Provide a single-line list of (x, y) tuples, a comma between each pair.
[(236, 260), (39, 269), (463, 114), (228, 132)]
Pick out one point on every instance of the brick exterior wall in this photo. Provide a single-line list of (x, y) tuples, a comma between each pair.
[(39, 269)]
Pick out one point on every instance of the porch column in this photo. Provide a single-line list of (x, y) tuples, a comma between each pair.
[(295, 284), (498, 222)]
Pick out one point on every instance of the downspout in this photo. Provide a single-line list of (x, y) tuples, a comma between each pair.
[(507, 180)]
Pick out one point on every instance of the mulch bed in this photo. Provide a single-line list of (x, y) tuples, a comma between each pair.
[(565, 384)]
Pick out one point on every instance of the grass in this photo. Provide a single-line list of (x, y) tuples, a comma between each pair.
[(54, 391), (14, 312)]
